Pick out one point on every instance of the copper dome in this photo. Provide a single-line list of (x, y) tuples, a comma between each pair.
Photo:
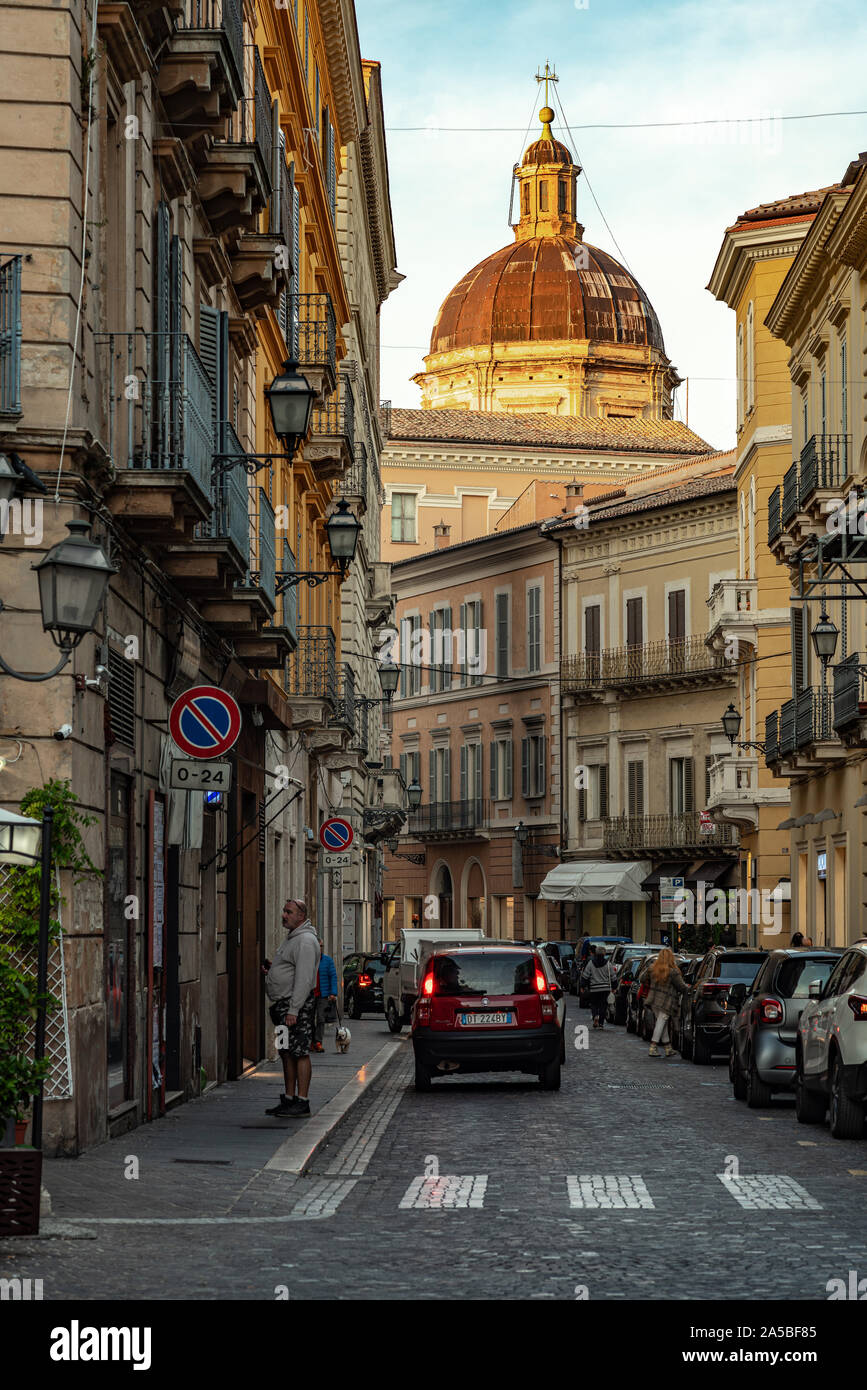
[(534, 291), (546, 151)]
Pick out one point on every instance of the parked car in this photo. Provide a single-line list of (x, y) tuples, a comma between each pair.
[(630, 966), (487, 1008), (765, 1028), (635, 1005), (561, 954), (831, 1048), (628, 951), (608, 944), (646, 1018), (705, 1019), (688, 967), (362, 984), (402, 961)]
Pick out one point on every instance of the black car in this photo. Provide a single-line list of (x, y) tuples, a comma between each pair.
[(765, 1029), (561, 954), (630, 968), (362, 985), (706, 1015)]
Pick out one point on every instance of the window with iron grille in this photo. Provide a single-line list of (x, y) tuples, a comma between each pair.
[(121, 697)]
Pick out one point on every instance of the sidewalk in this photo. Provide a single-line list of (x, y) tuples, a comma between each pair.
[(200, 1158)]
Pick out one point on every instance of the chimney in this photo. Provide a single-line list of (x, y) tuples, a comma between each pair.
[(575, 489), (441, 535)]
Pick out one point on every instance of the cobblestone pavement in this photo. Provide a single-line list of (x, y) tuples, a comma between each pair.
[(640, 1178)]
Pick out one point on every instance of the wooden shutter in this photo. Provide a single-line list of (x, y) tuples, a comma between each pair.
[(582, 803), (464, 632), (209, 352), (708, 764), (525, 767), (635, 788), (541, 755), (448, 649), (406, 780), (464, 766), (502, 636), (507, 772), (799, 661), (495, 790), (592, 628), (478, 752), (478, 661), (432, 775), (634, 625), (447, 775), (405, 629), (433, 673), (676, 615), (688, 784), (603, 791)]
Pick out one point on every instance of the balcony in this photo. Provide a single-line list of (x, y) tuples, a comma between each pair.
[(289, 597), (201, 71), (314, 330), (735, 794), (732, 613), (156, 415), (345, 711), (268, 646), (330, 448), (850, 701), (655, 665), (311, 683), (825, 472), (451, 820), (638, 835), (801, 737), (355, 481), (10, 338)]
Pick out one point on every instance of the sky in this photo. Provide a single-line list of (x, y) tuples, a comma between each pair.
[(667, 194)]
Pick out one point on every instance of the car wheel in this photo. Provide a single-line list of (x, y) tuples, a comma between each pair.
[(758, 1093), (422, 1077), (739, 1086), (549, 1076), (352, 1005), (810, 1106), (392, 1017), (685, 1041), (846, 1116), (700, 1050)]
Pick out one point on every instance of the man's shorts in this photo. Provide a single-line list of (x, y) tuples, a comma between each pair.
[(299, 1037)]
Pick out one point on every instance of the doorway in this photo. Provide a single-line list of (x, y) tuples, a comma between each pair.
[(444, 892)]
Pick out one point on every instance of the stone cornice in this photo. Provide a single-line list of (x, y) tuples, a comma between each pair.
[(848, 241), (742, 247), (340, 37), (810, 264)]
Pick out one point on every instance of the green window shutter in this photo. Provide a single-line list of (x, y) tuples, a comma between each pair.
[(502, 636), (406, 780), (463, 772), (507, 774), (447, 774), (448, 649), (479, 657), (688, 785), (541, 769), (639, 788), (494, 786), (464, 632), (432, 776), (582, 803), (525, 767), (603, 792), (478, 753), (433, 673)]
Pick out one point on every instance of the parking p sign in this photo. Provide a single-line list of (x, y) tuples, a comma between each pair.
[(335, 834)]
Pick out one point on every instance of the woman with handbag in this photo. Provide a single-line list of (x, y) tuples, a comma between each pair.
[(665, 986), (599, 983), (326, 997)]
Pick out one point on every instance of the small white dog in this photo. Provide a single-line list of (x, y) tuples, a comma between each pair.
[(343, 1038)]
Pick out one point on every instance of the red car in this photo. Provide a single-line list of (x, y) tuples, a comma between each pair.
[(488, 1008)]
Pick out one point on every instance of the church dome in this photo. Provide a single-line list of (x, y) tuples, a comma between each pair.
[(546, 289)]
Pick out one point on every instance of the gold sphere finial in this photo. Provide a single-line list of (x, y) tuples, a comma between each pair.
[(546, 115)]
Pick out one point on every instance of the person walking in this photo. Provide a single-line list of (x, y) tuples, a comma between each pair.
[(599, 982), (326, 996), (665, 985), (290, 983)]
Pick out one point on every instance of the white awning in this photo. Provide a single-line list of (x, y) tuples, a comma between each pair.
[(597, 880)]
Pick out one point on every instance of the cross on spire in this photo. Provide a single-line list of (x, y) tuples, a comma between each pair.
[(549, 75)]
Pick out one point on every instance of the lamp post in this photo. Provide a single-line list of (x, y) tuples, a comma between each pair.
[(731, 722), (73, 577), (23, 842), (290, 398), (342, 529), (824, 636), (389, 677)]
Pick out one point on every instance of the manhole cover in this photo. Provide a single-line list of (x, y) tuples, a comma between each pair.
[(222, 1162), (638, 1086)]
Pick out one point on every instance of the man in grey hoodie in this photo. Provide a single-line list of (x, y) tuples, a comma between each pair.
[(290, 985)]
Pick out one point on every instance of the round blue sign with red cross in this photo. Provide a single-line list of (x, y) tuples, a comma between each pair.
[(335, 834), (204, 722)]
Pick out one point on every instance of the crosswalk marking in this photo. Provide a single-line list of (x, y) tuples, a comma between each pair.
[(769, 1192), (445, 1193), (608, 1191)]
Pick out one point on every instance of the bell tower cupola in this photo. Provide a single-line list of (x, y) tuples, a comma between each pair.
[(547, 182)]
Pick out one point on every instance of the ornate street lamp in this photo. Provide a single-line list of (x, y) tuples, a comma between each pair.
[(343, 529), (73, 578), (824, 637), (731, 722), (522, 833), (389, 677), (290, 397), (413, 794), (392, 843)]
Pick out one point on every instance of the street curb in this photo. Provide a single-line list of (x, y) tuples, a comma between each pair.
[(296, 1154)]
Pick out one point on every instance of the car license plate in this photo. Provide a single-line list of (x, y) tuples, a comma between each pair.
[(491, 1020)]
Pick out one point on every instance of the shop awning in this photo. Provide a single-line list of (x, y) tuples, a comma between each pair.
[(710, 870), (596, 880), (668, 870)]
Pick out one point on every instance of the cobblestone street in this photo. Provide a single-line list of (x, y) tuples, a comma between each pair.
[(641, 1178)]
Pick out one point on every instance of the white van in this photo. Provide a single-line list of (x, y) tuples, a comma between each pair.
[(403, 963)]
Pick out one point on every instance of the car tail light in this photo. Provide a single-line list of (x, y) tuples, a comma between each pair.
[(713, 989), (858, 1004), (364, 981), (541, 983), (423, 1011), (772, 1011), (427, 985)]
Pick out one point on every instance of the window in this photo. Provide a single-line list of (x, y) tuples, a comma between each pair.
[(410, 656), (593, 638), (410, 767), (473, 662), (823, 403), (680, 786), (634, 622), (501, 769), (501, 604), (471, 772), (676, 615), (598, 787), (534, 628), (403, 516), (710, 759), (635, 788), (441, 649), (543, 195), (440, 769), (533, 765), (799, 651), (525, 200), (562, 197)]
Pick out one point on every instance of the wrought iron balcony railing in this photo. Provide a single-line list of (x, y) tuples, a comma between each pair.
[(772, 737), (289, 597), (231, 517), (316, 329), (824, 464), (356, 480), (10, 336), (344, 709), (219, 16), (263, 557), (653, 661), (256, 118), (450, 817), (361, 742), (789, 504), (775, 524), (850, 692), (801, 722), (157, 402), (312, 667), (337, 415), (689, 830)]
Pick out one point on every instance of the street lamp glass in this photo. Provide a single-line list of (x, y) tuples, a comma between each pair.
[(413, 794), (731, 722), (521, 832), (824, 637), (342, 528), (20, 839), (392, 844), (389, 676), (290, 398), (73, 578)]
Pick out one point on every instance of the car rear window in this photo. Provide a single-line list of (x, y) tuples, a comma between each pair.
[(482, 973), (737, 969), (374, 966), (797, 974)]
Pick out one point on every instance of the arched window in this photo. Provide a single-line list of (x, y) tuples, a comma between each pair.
[(751, 358), (525, 200), (543, 195), (740, 372), (562, 201)]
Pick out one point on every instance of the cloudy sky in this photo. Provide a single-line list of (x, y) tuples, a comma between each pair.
[(667, 194)]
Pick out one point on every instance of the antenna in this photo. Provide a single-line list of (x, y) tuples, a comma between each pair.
[(549, 75)]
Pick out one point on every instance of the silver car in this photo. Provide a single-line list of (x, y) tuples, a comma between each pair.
[(765, 1029)]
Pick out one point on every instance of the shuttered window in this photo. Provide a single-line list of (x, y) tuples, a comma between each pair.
[(533, 765), (592, 628), (676, 615), (603, 791), (121, 697), (635, 788), (708, 764), (502, 636), (681, 786), (634, 622), (534, 628), (799, 651)]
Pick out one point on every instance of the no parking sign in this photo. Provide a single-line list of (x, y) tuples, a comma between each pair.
[(205, 722), (335, 834)]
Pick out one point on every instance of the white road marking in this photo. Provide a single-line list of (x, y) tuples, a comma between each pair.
[(445, 1193), (601, 1191), (769, 1192)]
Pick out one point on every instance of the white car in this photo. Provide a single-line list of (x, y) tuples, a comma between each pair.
[(831, 1048)]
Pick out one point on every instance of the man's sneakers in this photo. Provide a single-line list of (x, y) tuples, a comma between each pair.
[(294, 1106)]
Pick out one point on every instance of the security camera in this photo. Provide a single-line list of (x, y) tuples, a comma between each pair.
[(65, 731)]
